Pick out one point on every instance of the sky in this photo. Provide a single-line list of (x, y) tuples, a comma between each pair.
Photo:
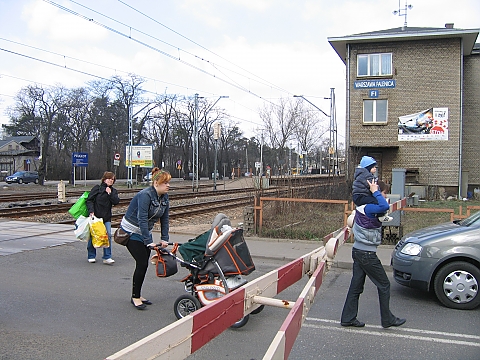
[(253, 51)]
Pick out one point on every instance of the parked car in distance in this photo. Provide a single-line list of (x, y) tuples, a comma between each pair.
[(22, 177), (444, 259), (148, 177), (188, 176)]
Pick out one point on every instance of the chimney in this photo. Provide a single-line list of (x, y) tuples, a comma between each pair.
[(449, 26)]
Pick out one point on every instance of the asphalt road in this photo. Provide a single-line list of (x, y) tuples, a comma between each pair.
[(55, 305), (431, 331)]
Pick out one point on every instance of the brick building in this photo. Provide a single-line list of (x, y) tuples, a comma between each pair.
[(413, 102)]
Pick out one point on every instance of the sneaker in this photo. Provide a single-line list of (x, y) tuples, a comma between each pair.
[(108, 261), (91, 261), (386, 218)]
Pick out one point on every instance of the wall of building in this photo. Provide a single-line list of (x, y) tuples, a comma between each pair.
[(427, 75), (471, 120)]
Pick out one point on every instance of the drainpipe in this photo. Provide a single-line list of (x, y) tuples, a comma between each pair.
[(347, 118), (460, 152)]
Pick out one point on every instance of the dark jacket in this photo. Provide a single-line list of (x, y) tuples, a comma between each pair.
[(100, 202), (360, 185), (145, 209), (367, 229)]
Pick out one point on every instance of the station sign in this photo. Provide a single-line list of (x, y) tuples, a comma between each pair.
[(80, 159)]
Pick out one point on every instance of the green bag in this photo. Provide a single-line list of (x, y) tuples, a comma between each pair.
[(80, 206)]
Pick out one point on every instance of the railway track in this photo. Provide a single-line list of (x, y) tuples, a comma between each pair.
[(26, 209), (29, 197)]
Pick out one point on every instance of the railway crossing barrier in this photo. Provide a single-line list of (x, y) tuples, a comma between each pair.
[(185, 336)]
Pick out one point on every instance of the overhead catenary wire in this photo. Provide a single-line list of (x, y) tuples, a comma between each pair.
[(155, 49), (201, 46)]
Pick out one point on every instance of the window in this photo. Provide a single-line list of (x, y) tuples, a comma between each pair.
[(375, 111), (374, 64)]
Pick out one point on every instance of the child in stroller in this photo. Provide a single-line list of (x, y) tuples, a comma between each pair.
[(217, 260)]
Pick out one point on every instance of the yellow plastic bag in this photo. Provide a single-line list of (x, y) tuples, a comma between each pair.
[(98, 232)]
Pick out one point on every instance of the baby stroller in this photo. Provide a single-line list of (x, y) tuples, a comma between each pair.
[(217, 260)]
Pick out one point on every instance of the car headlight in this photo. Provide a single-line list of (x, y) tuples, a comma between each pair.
[(411, 249)]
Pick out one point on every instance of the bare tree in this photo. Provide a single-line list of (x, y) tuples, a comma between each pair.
[(280, 123)]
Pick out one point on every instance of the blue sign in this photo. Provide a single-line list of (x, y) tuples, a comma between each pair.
[(373, 94), (374, 84), (79, 159)]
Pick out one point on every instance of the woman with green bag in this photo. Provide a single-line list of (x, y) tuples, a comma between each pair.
[(99, 203)]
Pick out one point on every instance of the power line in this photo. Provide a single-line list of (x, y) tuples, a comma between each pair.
[(92, 63), (155, 49), (201, 46)]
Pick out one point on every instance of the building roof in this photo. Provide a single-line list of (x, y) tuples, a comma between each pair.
[(405, 34), (20, 139)]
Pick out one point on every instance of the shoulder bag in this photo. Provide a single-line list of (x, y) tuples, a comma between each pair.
[(121, 237)]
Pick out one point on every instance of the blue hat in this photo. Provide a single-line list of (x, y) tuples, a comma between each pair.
[(367, 161)]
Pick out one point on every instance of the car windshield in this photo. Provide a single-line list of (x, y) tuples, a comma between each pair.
[(18, 173), (472, 219)]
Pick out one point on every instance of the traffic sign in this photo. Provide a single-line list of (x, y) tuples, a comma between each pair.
[(117, 156)]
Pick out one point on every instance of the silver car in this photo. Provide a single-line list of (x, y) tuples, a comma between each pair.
[(444, 259)]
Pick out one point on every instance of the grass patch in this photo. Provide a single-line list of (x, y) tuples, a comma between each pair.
[(306, 221)]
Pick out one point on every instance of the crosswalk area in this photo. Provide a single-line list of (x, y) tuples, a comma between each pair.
[(18, 236)]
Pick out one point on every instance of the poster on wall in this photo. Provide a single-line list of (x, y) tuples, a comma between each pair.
[(426, 125)]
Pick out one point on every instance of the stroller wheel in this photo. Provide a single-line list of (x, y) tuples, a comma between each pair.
[(185, 305), (258, 310), (240, 322)]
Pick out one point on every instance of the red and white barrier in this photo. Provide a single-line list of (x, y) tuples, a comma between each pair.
[(283, 342), (185, 336)]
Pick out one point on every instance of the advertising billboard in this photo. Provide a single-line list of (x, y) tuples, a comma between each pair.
[(426, 125), (140, 155)]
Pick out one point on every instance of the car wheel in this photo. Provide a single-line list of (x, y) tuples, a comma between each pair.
[(185, 305), (20, 181), (456, 285), (36, 181)]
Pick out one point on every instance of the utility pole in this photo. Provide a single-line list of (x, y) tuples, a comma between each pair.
[(332, 146), (333, 150), (195, 146), (217, 130), (195, 139), (130, 144)]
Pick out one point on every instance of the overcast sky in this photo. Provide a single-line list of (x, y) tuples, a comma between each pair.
[(254, 51)]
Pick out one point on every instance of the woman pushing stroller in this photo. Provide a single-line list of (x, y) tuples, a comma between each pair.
[(146, 208)]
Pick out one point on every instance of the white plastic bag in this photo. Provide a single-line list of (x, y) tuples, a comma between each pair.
[(82, 228)]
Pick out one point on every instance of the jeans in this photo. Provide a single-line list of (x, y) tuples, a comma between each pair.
[(107, 252), (366, 263)]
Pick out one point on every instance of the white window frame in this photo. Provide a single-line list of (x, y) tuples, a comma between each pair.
[(375, 70), (375, 115)]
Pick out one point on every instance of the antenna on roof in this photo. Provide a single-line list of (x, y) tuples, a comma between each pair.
[(399, 12)]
